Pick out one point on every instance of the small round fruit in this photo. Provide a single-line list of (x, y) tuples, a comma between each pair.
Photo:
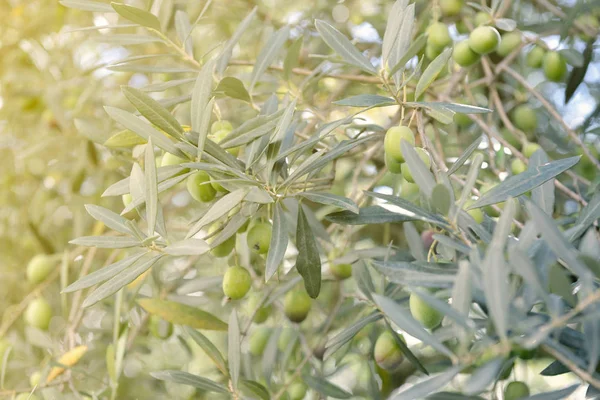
[(296, 305), (431, 52), (199, 187), (236, 282), (509, 42), (517, 166), (38, 268), (297, 391), (462, 120), (475, 213), (395, 167), (259, 237), (127, 199), (38, 313), (530, 148), (258, 340), (462, 27), (221, 125), (170, 159), (482, 18), (516, 390), (159, 327), (341, 271), (427, 238), (451, 7), (535, 57), (523, 353), (438, 35), (555, 66), (463, 55), (393, 140), (217, 186), (386, 352), (35, 378), (223, 249), (424, 156), (525, 118), (484, 39), (260, 314), (428, 316), (219, 135)]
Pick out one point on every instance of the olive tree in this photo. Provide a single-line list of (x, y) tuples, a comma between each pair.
[(368, 199)]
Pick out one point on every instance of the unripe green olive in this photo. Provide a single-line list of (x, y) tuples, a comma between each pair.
[(127, 199), (590, 21), (489, 209), (408, 189), (484, 39), (393, 140), (219, 135), (38, 313), (296, 305), (38, 268), (508, 43), (297, 391), (451, 7), (223, 249), (482, 18), (517, 166), (438, 35), (341, 271), (35, 378), (523, 353), (516, 390), (476, 213), (463, 55), (395, 167), (530, 148), (431, 52), (386, 352), (428, 316), (221, 125), (462, 120), (199, 187), (260, 314), (424, 156), (217, 186), (258, 340), (170, 159), (159, 327), (525, 118), (555, 66), (535, 57), (259, 237), (236, 282)]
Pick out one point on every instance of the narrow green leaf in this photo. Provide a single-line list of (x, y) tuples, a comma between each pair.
[(543, 195), (392, 30), (431, 72), (426, 387), (418, 169), (454, 107), (268, 54), (184, 29), (117, 282), (368, 216), (219, 209), (292, 57), (555, 394), (256, 389), (106, 242), (185, 378), (465, 156), (483, 376), (338, 341), (517, 185), (187, 247), (223, 59), (414, 49), (341, 45), (209, 348), (111, 219), (366, 100), (331, 200), (124, 138), (325, 387), (578, 73), (234, 88), (234, 349), (409, 209), (182, 314), (308, 261), (153, 111), (201, 94), (137, 15), (279, 242), (122, 187), (87, 5), (151, 187)]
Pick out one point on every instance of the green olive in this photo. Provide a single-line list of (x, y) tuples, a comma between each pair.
[(555, 66), (221, 125), (424, 313), (517, 166), (393, 140), (431, 52), (223, 249), (260, 314), (462, 27), (217, 186), (219, 135), (523, 353), (508, 43), (424, 156), (525, 118), (489, 209), (159, 327), (236, 282), (484, 39), (451, 7), (395, 167), (258, 340), (296, 305), (438, 35), (259, 237), (38, 313), (476, 213), (170, 159), (35, 378), (341, 271), (386, 352), (199, 187), (39, 267), (297, 391), (516, 390), (482, 18), (127, 199), (462, 120), (530, 148), (463, 55), (535, 57)]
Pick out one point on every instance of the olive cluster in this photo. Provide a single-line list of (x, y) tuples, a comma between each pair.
[(394, 159)]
